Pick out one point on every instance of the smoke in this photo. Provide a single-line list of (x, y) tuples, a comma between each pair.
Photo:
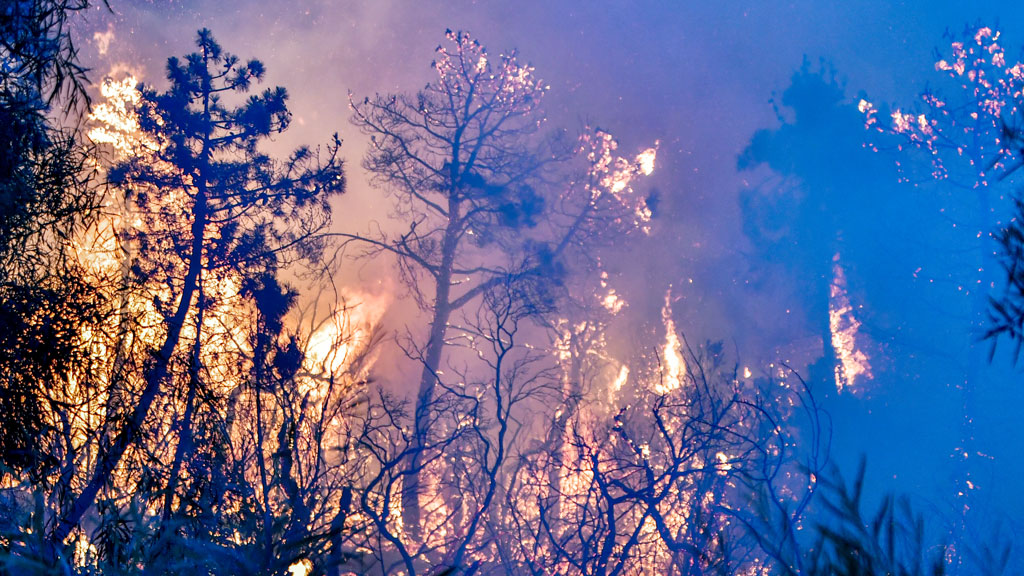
[(701, 79)]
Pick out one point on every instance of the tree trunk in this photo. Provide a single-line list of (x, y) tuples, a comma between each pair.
[(424, 399), (573, 390), (158, 372), (428, 377)]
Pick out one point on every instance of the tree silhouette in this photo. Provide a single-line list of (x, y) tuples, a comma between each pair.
[(473, 177), (461, 158), (810, 216), (211, 208)]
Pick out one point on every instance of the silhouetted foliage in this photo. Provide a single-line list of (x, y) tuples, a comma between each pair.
[(890, 541), (1006, 313), (46, 196), (40, 58), (106, 316)]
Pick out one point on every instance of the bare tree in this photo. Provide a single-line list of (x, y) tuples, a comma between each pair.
[(471, 175), (463, 161), (474, 424)]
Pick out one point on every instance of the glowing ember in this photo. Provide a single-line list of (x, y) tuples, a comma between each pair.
[(851, 363), (724, 465), (613, 302)]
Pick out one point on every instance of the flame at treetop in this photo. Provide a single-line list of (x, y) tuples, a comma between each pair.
[(991, 89)]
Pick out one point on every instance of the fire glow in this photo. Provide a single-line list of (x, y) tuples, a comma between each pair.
[(674, 369), (852, 364), (542, 435)]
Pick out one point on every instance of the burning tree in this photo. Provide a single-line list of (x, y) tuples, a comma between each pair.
[(208, 220), (963, 135), (681, 473), (473, 177), (966, 138), (462, 163)]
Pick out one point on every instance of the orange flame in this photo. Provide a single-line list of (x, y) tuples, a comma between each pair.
[(672, 352)]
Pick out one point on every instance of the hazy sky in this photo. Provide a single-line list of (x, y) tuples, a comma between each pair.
[(699, 77)]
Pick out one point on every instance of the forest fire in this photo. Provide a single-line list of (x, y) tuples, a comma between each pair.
[(232, 337), (457, 346)]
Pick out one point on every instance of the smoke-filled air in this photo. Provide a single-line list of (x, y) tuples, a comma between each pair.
[(468, 288)]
